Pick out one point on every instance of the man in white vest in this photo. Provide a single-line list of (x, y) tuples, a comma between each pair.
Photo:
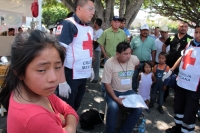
[(187, 94), (76, 36)]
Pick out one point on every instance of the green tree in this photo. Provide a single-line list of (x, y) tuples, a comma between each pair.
[(105, 9), (182, 10), (53, 11)]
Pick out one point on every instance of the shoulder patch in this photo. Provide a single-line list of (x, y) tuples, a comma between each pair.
[(59, 29)]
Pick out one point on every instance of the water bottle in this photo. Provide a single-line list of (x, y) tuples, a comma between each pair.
[(142, 127)]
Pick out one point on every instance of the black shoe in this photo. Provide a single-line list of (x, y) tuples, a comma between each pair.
[(151, 105), (160, 109), (172, 130), (94, 81)]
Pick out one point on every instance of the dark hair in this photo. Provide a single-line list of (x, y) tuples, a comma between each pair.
[(146, 63), (25, 48), (51, 29), (10, 29), (19, 28), (163, 53), (122, 19), (197, 25), (81, 3), (122, 46), (70, 14), (98, 21)]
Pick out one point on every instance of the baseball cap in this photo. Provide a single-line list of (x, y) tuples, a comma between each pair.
[(116, 18), (145, 26), (164, 28)]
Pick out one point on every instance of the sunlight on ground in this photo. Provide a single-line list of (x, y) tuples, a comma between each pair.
[(98, 99), (162, 125)]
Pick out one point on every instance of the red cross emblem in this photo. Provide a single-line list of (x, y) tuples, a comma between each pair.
[(59, 29), (187, 59), (88, 44)]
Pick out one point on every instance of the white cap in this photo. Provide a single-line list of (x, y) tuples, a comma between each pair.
[(145, 26), (164, 28)]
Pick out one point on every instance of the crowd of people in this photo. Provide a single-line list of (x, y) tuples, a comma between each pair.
[(47, 75)]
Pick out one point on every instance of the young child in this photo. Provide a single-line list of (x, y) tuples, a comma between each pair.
[(158, 86), (28, 90), (146, 78)]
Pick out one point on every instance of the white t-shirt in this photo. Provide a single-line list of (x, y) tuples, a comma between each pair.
[(159, 44), (97, 34)]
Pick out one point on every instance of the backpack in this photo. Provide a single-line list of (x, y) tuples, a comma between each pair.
[(90, 118)]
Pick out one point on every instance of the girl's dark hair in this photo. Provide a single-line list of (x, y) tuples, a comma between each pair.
[(163, 53), (25, 48), (146, 63), (122, 46)]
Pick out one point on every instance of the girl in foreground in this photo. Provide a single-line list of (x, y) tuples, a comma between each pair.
[(28, 90)]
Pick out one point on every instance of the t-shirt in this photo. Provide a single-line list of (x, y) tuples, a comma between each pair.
[(143, 49), (114, 72), (176, 46), (159, 45), (97, 34), (110, 39), (32, 118)]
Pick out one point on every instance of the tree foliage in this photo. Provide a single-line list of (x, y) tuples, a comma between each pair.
[(182, 10), (53, 11), (105, 9)]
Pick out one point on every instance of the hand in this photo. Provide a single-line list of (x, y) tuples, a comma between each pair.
[(153, 63), (119, 101), (64, 90), (92, 75), (167, 75)]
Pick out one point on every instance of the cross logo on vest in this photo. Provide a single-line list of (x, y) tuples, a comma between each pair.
[(59, 29), (187, 59), (88, 44)]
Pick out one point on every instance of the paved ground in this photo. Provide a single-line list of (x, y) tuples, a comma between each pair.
[(155, 122)]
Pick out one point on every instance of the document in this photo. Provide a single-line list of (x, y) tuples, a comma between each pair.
[(133, 101)]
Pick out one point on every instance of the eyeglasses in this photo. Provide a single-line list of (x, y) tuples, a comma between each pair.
[(89, 8)]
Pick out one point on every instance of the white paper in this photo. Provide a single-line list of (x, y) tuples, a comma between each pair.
[(133, 101)]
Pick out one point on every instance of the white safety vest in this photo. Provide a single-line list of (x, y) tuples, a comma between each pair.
[(189, 73), (79, 53)]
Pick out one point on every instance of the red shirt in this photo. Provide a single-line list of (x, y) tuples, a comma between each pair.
[(32, 118)]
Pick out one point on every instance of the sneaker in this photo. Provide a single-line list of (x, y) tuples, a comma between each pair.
[(151, 105), (160, 109)]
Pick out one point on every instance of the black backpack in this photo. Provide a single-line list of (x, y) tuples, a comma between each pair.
[(90, 118)]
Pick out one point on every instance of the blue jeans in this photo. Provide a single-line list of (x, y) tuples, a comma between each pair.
[(77, 89), (157, 87), (135, 82), (112, 111)]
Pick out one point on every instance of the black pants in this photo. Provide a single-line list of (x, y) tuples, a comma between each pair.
[(186, 104)]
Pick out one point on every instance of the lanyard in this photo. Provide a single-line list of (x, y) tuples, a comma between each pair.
[(123, 68)]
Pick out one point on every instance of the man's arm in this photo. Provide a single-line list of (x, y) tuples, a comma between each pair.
[(153, 54), (103, 51), (164, 48)]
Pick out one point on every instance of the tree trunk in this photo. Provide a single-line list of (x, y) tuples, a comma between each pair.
[(128, 9)]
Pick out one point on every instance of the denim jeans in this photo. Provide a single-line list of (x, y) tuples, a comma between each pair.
[(157, 87), (78, 87), (135, 82), (112, 111)]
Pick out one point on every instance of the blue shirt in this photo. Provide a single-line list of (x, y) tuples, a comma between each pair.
[(127, 32)]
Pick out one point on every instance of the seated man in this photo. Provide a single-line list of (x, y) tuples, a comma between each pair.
[(117, 76)]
